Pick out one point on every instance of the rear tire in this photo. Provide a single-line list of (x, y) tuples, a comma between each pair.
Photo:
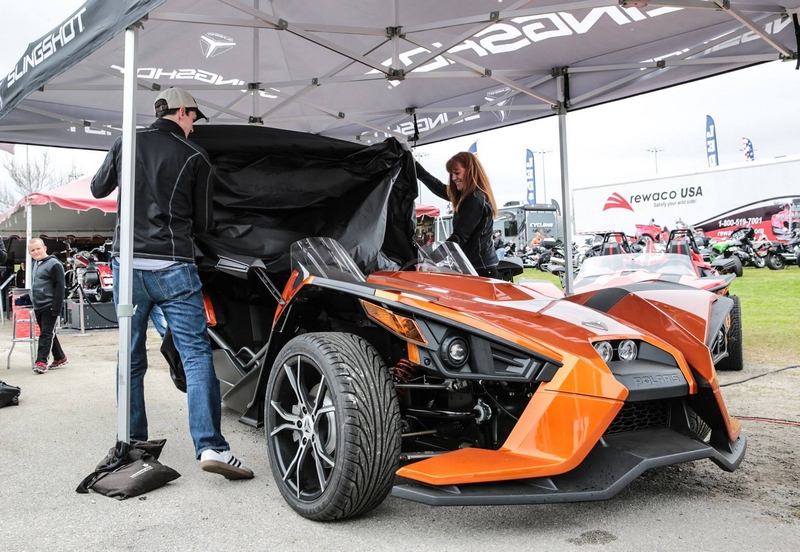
[(734, 362), (332, 424), (759, 262)]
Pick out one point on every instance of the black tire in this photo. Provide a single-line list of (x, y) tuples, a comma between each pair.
[(737, 267), (734, 362), (776, 262), (697, 426), (336, 457), (759, 262)]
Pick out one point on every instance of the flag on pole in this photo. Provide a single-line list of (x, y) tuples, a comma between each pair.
[(711, 142), (474, 148), (7, 147), (530, 174), (747, 147)]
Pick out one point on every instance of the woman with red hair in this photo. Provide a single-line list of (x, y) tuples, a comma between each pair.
[(474, 209)]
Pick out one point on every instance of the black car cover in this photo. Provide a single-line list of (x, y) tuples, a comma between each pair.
[(273, 187)]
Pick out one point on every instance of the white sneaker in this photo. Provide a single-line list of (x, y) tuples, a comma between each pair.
[(224, 463)]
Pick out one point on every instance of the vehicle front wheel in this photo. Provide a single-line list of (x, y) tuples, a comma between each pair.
[(332, 424), (734, 362), (759, 262)]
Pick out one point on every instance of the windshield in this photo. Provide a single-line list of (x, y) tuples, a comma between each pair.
[(444, 257), (663, 263), (326, 258)]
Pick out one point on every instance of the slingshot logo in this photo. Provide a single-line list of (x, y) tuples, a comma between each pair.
[(616, 201), (214, 44), (499, 93)]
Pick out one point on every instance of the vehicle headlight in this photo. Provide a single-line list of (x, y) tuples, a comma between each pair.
[(456, 351), (628, 350), (605, 350)]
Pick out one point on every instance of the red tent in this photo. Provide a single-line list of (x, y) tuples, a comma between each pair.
[(428, 210), (69, 210)]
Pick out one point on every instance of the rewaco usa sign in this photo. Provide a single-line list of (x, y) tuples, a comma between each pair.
[(662, 198)]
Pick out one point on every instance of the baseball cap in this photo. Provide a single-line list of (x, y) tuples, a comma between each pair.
[(177, 98)]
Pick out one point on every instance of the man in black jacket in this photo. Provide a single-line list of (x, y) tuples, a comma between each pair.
[(173, 203), (47, 297)]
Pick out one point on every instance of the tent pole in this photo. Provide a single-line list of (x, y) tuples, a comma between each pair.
[(256, 63), (566, 206), (126, 192), (28, 238)]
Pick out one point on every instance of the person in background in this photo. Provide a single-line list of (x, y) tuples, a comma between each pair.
[(47, 296), (19, 278), (174, 193), (474, 208), (499, 246)]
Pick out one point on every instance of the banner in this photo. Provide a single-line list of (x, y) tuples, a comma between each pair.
[(92, 25), (711, 142), (530, 174), (747, 148)]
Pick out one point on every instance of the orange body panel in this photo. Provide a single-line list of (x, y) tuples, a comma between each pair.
[(292, 286), (211, 317), (648, 317), (583, 378), (553, 436), (550, 327)]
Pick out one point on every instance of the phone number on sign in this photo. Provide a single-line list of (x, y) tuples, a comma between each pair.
[(739, 222)]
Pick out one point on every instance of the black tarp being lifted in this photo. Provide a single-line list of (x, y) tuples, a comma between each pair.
[(274, 187)]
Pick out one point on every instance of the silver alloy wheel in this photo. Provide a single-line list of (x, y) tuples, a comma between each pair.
[(306, 440)]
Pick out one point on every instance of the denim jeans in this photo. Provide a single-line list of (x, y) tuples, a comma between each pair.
[(177, 291)]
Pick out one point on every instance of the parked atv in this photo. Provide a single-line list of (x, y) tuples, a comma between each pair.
[(738, 246)]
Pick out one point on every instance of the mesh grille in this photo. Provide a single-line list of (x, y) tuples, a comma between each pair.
[(637, 416)]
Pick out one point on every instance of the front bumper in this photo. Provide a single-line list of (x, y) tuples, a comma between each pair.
[(610, 467)]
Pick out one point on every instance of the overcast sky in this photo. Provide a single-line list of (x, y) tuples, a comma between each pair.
[(607, 143)]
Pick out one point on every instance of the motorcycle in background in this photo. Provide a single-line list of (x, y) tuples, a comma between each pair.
[(780, 254), (91, 272), (738, 246)]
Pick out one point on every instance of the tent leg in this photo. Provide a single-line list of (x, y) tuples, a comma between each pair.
[(566, 203), (28, 238), (126, 195)]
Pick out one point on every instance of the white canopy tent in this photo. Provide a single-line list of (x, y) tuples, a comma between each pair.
[(417, 70)]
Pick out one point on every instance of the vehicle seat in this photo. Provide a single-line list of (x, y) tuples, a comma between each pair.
[(611, 248), (680, 247)]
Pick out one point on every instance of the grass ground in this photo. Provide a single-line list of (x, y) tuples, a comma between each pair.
[(770, 313)]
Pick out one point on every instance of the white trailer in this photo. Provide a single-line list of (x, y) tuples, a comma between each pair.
[(761, 194)]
